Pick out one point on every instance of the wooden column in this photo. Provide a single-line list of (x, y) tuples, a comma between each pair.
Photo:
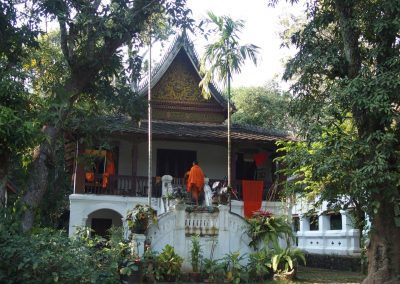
[(233, 164), (80, 172)]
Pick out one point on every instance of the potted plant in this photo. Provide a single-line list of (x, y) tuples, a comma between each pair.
[(140, 218), (224, 195), (284, 262)]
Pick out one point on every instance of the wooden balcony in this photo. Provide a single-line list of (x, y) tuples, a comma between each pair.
[(136, 186), (122, 185)]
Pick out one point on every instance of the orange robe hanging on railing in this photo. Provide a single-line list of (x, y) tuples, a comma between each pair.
[(110, 169)]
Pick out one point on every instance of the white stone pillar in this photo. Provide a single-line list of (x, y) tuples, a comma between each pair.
[(166, 188), (223, 244), (346, 221), (352, 244), (126, 229), (179, 234), (304, 227), (304, 224), (324, 224), (166, 185), (138, 240)]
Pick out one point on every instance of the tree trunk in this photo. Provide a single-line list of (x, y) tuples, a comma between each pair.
[(384, 248), (38, 176), (4, 162)]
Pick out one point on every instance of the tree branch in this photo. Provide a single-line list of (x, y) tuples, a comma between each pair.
[(350, 35)]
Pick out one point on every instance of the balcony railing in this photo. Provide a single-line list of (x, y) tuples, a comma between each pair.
[(123, 185), (137, 186)]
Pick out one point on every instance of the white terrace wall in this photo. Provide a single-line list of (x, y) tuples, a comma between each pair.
[(221, 233), (82, 205), (344, 241)]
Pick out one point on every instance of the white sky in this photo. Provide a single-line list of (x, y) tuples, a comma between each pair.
[(261, 28)]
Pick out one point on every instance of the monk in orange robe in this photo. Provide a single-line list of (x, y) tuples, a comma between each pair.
[(195, 181)]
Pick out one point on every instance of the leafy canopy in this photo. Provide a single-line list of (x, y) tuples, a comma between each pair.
[(346, 74), (266, 106)]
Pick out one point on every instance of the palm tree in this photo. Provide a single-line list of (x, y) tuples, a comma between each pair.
[(223, 58)]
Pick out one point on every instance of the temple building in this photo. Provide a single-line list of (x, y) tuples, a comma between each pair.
[(185, 127)]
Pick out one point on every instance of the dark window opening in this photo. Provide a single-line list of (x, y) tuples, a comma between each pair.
[(314, 226), (174, 162), (336, 222), (296, 224), (245, 169)]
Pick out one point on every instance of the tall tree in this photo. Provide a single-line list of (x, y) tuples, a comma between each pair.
[(347, 83), (223, 58), (91, 35), (17, 33)]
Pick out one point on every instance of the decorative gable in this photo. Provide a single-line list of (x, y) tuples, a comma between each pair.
[(176, 95), (180, 83)]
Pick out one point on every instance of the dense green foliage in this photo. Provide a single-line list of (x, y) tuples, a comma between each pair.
[(265, 229), (49, 256), (266, 106), (351, 119), (346, 91), (168, 265), (17, 127), (58, 85)]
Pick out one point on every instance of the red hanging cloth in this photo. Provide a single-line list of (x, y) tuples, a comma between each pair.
[(252, 196), (260, 158)]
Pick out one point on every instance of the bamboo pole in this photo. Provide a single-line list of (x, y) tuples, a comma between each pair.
[(150, 153)]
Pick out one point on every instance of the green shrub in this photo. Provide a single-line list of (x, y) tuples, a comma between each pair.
[(260, 266), (48, 256), (212, 270), (286, 259), (267, 228), (195, 253), (235, 271), (168, 265)]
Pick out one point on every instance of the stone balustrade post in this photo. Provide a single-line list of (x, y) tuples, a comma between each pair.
[(179, 234), (137, 244), (346, 221), (166, 188), (166, 185), (223, 229), (126, 229)]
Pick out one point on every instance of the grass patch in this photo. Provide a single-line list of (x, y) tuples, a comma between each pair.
[(318, 275)]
